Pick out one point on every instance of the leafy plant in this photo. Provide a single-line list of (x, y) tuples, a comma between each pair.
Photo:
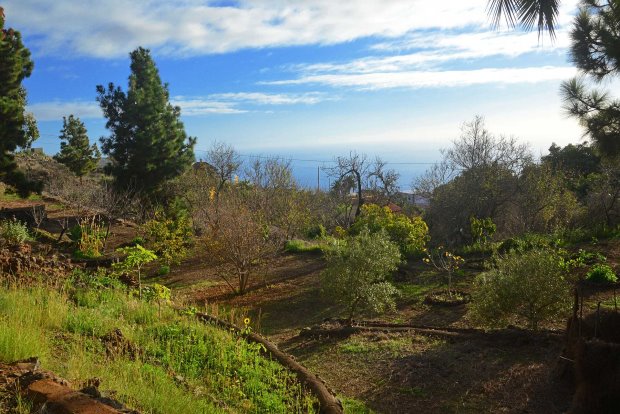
[(13, 232), (169, 237), (531, 286), (601, 273), (357, 272), (158, 293), (410, 234), (136, 257), (482, 229)]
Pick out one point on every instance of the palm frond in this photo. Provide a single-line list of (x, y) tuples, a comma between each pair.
[(508, 9), (540, 13)]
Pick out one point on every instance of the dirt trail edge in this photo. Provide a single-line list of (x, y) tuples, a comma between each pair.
[(327, 399)]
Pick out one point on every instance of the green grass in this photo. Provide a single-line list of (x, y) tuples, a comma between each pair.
[(414, 293), (352, 405), (16, 197), (391, 346), (220, 371), (303, 246)]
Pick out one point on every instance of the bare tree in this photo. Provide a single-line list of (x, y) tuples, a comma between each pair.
[(225, 162), (354, 169), (477, 147), (240, 236)]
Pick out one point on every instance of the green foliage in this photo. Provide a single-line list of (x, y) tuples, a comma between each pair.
[(15, 66), (75, 149), (169, 237), (410, 234), (594, 49), (218, 369), (601, 273), (482, 229), (99, 279), (13, 232), (316, 232), (148, 141), (135, 259), (357, 272), (530, 286), (530, 241)]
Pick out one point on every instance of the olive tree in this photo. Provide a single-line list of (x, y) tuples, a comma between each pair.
[(530, 286), (357, 272)]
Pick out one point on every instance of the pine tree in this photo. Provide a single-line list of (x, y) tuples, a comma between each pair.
[(15, 66), (148, 144), (75, 150)]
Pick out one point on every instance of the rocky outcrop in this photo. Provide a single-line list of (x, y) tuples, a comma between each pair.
[(51, 394)]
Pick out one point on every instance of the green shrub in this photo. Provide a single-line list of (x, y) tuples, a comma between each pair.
[(13, 232), (410, 234), (357, 272), (601, 273), (316, 232), (163, 270), (528, 242), (168, 237), (531, 286)]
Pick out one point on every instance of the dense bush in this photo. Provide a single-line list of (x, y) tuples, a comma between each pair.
[(529, 241), (13, 232), (357, 272), (410, 234), (531, 286), (168, 237), (601, 273)]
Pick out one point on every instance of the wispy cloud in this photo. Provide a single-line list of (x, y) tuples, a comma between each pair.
[(223, 103), (55, 110), (192, 27), (441, 78), (309, 98)]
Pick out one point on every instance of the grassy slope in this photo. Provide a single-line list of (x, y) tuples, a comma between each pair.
[(181, 365)]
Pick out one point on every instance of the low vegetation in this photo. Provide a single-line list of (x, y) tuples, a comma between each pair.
[(155, 359)]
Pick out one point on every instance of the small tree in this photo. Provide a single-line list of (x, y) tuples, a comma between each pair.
[(530, 286), (446, 262), (137, 257), (357, 272), (75, 150)]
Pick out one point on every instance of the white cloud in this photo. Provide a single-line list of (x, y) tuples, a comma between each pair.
[(191, 27), (55, 110), (223, 103), (309, 98), (441, 78)]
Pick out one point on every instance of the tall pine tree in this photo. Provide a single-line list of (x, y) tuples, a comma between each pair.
[(148, 144), (75, 150), (15, 66)]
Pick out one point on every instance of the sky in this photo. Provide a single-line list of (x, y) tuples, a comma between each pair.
[(305, 80)]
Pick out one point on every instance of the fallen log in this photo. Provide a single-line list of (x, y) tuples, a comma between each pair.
[(327, 399)]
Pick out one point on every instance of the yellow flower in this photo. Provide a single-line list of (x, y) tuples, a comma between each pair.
[(246, 321), (236, 179), (212, 194)]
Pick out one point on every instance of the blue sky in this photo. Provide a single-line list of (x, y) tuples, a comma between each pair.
[(307, 80)]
